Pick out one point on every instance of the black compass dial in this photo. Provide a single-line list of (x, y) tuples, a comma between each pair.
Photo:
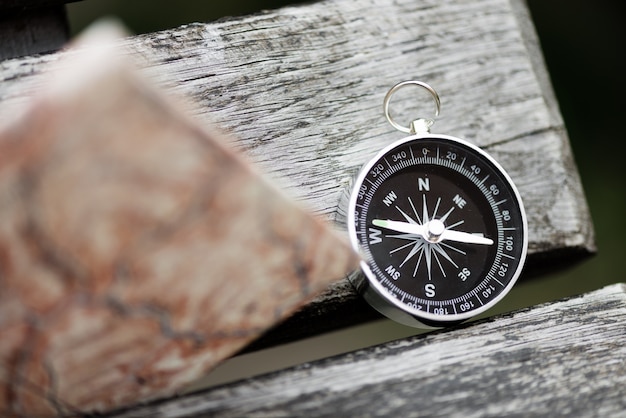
[(441, 227)]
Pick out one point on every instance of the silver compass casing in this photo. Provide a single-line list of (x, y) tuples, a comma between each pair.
[(368, 283)]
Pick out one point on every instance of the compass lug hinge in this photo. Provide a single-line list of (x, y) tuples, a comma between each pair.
[(420, 126)]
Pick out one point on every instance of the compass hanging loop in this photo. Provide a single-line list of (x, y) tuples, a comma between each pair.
[(417, 125)]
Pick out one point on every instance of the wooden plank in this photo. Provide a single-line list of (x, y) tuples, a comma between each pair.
[(136, 250), (565, 358), (302, 89), (27, 30)]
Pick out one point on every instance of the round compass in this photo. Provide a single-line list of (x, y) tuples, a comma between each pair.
[(441, 228)]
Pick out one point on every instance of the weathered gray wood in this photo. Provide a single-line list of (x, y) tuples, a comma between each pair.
[(32, 27), (302, 89), (565, 358)]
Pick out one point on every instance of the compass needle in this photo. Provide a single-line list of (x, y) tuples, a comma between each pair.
[(410, 237), (445, 244), (448, 261), (465, 237), (407, 227)]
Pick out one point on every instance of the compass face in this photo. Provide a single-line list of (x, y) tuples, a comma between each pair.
[(441, 228)]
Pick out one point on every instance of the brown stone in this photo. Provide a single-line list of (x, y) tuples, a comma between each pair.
[(136, 249)]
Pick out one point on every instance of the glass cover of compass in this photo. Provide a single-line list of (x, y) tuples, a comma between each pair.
[(441, 229)]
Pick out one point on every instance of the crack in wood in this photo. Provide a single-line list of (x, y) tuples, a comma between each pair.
[(523, 136)]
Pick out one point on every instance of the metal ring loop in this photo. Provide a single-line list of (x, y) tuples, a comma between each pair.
[(427, 122)]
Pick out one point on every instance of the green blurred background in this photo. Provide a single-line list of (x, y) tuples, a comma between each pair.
[(585, 52)]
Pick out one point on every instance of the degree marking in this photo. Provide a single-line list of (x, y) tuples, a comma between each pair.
[(492, 277)]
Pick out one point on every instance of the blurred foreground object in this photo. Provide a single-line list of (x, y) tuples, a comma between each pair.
[(136, 251)]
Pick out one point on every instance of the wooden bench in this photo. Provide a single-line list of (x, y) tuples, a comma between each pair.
[(301, 88)]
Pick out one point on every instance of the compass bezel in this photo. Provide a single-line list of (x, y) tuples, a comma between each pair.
[(371, 288)]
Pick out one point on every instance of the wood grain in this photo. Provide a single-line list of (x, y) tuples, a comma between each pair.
[(302, 88), (566, 358), (136, 249), (28, 30)]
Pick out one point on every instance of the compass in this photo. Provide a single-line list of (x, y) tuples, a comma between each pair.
[(440, 226)]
